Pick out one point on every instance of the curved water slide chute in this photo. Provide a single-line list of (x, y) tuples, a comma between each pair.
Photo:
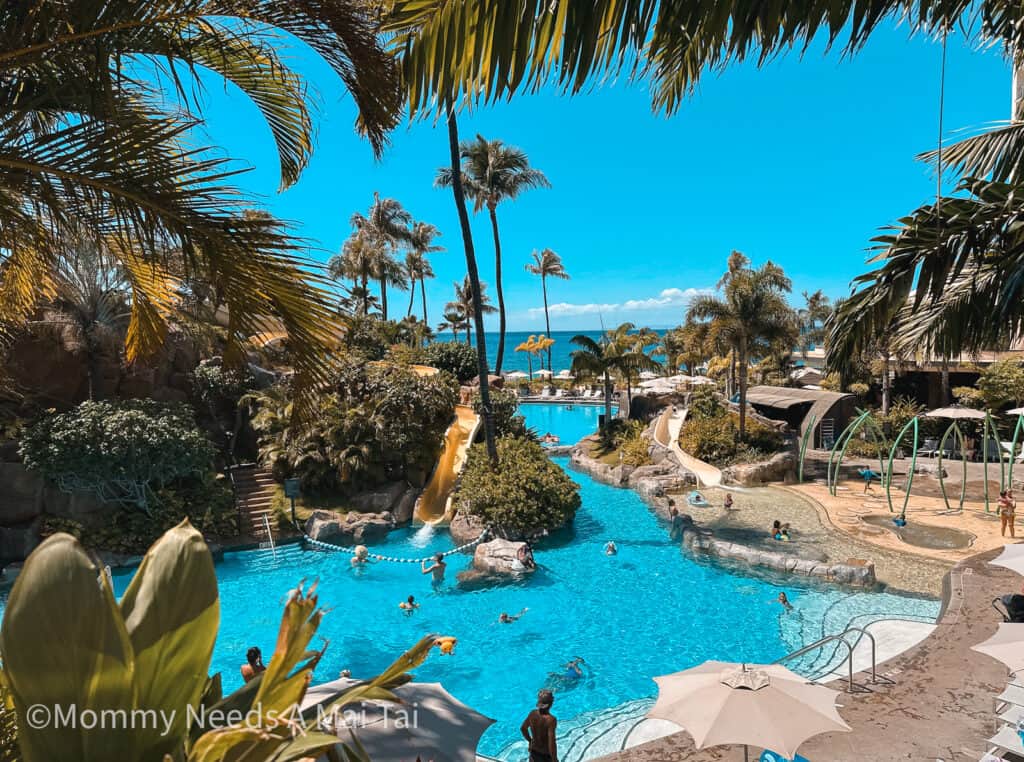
[(435, 506), (666, 433)]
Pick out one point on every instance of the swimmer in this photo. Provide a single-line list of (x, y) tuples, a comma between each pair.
[(436, 569), (784, 600), (572, 669), (676, 532), (409, 605), (509, 619), (360, 557), (610, 548), (345, 674), (253, 665), (777, 529)]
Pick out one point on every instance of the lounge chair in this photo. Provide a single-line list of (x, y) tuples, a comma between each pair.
[(559, 394), (771, 756), (544, 393)]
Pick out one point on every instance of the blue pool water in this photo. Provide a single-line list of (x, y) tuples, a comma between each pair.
[(648, 611), (570, 423)]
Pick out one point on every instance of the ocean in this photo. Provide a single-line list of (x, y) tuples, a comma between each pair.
[(560, 352)]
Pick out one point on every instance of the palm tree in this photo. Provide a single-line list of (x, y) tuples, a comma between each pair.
[(529, 347), (547, 264), (83, 140), (386, 226), (355, 262), (90, 310), (421, 243), (629, 345), (455, 320), (751, 309), (492, 172), (600, 359), (466, 303), (813, 316)]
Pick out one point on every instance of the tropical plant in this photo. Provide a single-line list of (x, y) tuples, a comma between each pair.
[(356, 262), (148, 654), (88, 145), (508, 422), (813, 316), (417, 266), (455, 320), (600, 359), (523, 496), (547, 264), (535, 345), (1002, 383), (455, 357), (120, 451), (465, 303), (219, 390), (751, 311), (626, 347), (493, 172)]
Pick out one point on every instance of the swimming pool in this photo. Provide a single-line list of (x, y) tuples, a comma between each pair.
[(648, 611), (569, 422)]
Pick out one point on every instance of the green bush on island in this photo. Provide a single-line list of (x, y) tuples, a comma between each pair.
[(711, 432), (123, 452), (505, 410), (625, 437), (456, 357), (380, 423), (525, 493)]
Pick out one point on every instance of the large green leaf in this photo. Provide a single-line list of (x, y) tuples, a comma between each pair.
[(65, 647), (171, 612)]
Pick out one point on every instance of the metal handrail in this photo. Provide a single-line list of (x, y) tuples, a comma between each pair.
[(270, 535), (841, 638)]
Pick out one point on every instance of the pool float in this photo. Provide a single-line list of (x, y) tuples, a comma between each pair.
[(697, 500)]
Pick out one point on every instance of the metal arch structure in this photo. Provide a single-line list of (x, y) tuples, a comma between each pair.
[(961, 442), (808, 433), (912, 424), (1018, 429), (862, 421), (989, 433)]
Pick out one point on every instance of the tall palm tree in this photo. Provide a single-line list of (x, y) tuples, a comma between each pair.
[(547, 264), (493, 172), (421, 243), (629, 346), (751, 308), (355, 262), (813, 316), (466, 302), (86, 142), (601, 359), (386, 226)]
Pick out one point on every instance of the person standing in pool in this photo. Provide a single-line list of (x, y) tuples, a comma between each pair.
[(254, 664), (436, 569), (539, 729), (676, 529), (409, 605)]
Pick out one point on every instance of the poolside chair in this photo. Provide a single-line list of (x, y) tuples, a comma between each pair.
[(1012, 607), (559, 394), (771, 756), (545, 393)]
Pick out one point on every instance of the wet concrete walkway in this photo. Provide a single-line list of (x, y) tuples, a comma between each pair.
[(939, 705)]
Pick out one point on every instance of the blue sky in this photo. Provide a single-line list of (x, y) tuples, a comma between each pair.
[(799, 162)]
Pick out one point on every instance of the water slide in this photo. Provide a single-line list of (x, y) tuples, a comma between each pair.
[(434, 506), (666, 433)]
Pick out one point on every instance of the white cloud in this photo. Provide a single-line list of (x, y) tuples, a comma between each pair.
[(669, 297)]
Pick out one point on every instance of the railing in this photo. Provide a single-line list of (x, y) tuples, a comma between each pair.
[(840, 638), (270, 535)]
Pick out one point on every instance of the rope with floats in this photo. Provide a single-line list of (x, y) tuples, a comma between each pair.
[(378, 557)]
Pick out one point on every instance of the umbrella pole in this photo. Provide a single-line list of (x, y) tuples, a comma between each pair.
[(746, 750)]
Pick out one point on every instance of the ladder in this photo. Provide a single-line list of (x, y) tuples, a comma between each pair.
[(827, 429), (840, 638), (270, 537)]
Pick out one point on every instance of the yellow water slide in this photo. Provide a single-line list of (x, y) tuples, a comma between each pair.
[(435, 504), (666, 433)]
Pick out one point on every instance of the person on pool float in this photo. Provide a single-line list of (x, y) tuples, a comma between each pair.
[(253, 665), (782, 532), (696, 498), (436, 569), (360, 557), (506, 618), (610, 549), (409, 605), (550, 438)]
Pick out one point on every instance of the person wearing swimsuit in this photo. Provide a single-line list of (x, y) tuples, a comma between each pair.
[(539, 729), (436, 569)]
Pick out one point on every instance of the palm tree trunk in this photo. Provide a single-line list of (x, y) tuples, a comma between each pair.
[(501, 294), (366, 293), (629, 394), (886, 385), (742, 362), (529, 363), (944, 381), (423, 298), (384, 298), (474, 282), (607, 399), (547, 320), (412, 298), (732, 373)]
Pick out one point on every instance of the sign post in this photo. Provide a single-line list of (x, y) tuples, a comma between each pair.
[(291, 491)]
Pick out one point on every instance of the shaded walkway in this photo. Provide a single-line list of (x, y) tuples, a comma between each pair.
[(940, 706)]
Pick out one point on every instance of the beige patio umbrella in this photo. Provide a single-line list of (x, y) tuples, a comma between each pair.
[(956, 412), (1011, 558), (1007, 645), (430, 723), (764, 705)]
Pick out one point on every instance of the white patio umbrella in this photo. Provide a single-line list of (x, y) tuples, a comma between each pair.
[(442, 729), (1007, 646), (763, 705), (1014, 411), (698, 380), (543, 373), (515, 375), (565, 374), (647, 375), (956, 412), (1011, 558)]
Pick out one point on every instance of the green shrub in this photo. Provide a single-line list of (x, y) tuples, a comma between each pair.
[(636, 449), (1002, 383), (704, 403), (525, 493), (716, 439), (968, 396), (456, 357), (120, 451), (505, 410)]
